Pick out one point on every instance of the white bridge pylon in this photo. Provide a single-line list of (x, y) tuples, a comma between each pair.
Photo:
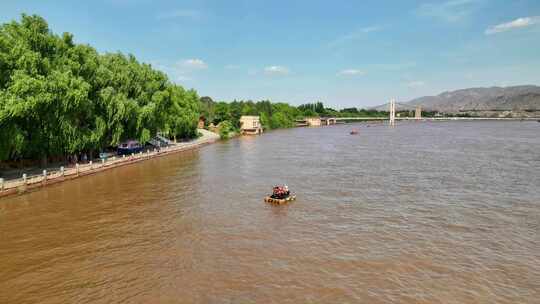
[(392, 112)]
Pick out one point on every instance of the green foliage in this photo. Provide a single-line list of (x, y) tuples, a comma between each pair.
[(226, 129), (316, 107), (350, 110), (280, 120), (355, 112), (284, 116), (265, 120), (206, 105), (222, 112), (274, 115), (310, 113), (59, 98)]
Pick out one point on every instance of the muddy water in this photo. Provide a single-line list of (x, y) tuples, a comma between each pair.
[(443, 212)]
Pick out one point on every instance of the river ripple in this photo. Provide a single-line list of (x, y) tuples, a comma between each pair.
[(445, 212)]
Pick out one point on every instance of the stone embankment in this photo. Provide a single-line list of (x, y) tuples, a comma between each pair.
[(26, 182)]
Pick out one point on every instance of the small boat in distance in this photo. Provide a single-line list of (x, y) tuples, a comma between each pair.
[(354, 132), (277, 201), (280, 195)]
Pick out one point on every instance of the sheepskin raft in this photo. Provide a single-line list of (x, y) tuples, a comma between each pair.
[(277, 201)]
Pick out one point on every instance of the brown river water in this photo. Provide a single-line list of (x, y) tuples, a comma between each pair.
[(442, 212)]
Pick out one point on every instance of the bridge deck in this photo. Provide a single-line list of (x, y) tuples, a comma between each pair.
[(436, 118)]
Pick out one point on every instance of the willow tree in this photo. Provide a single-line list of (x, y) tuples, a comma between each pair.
[(58, 97)]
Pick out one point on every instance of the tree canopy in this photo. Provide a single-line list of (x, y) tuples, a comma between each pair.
[(273, 115), (58, 97)]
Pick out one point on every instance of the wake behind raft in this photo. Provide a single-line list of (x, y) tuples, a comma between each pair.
[(280, 195)]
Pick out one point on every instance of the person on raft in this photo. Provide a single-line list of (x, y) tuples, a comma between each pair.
[(280, 192)]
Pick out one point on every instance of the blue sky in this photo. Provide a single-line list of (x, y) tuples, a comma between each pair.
[(344, 53)]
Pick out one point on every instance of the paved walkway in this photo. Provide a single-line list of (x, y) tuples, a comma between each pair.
[(34, 175), (207, 135)]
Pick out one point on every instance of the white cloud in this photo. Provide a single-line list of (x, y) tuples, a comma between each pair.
[(354, 35), (182, 70), (450, 11), (514, 24), (416, 84), (181, 13), (276, 70), (351, 72), (193, 64)]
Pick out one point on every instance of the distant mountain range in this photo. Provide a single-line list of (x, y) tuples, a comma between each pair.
[(516, 98)]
